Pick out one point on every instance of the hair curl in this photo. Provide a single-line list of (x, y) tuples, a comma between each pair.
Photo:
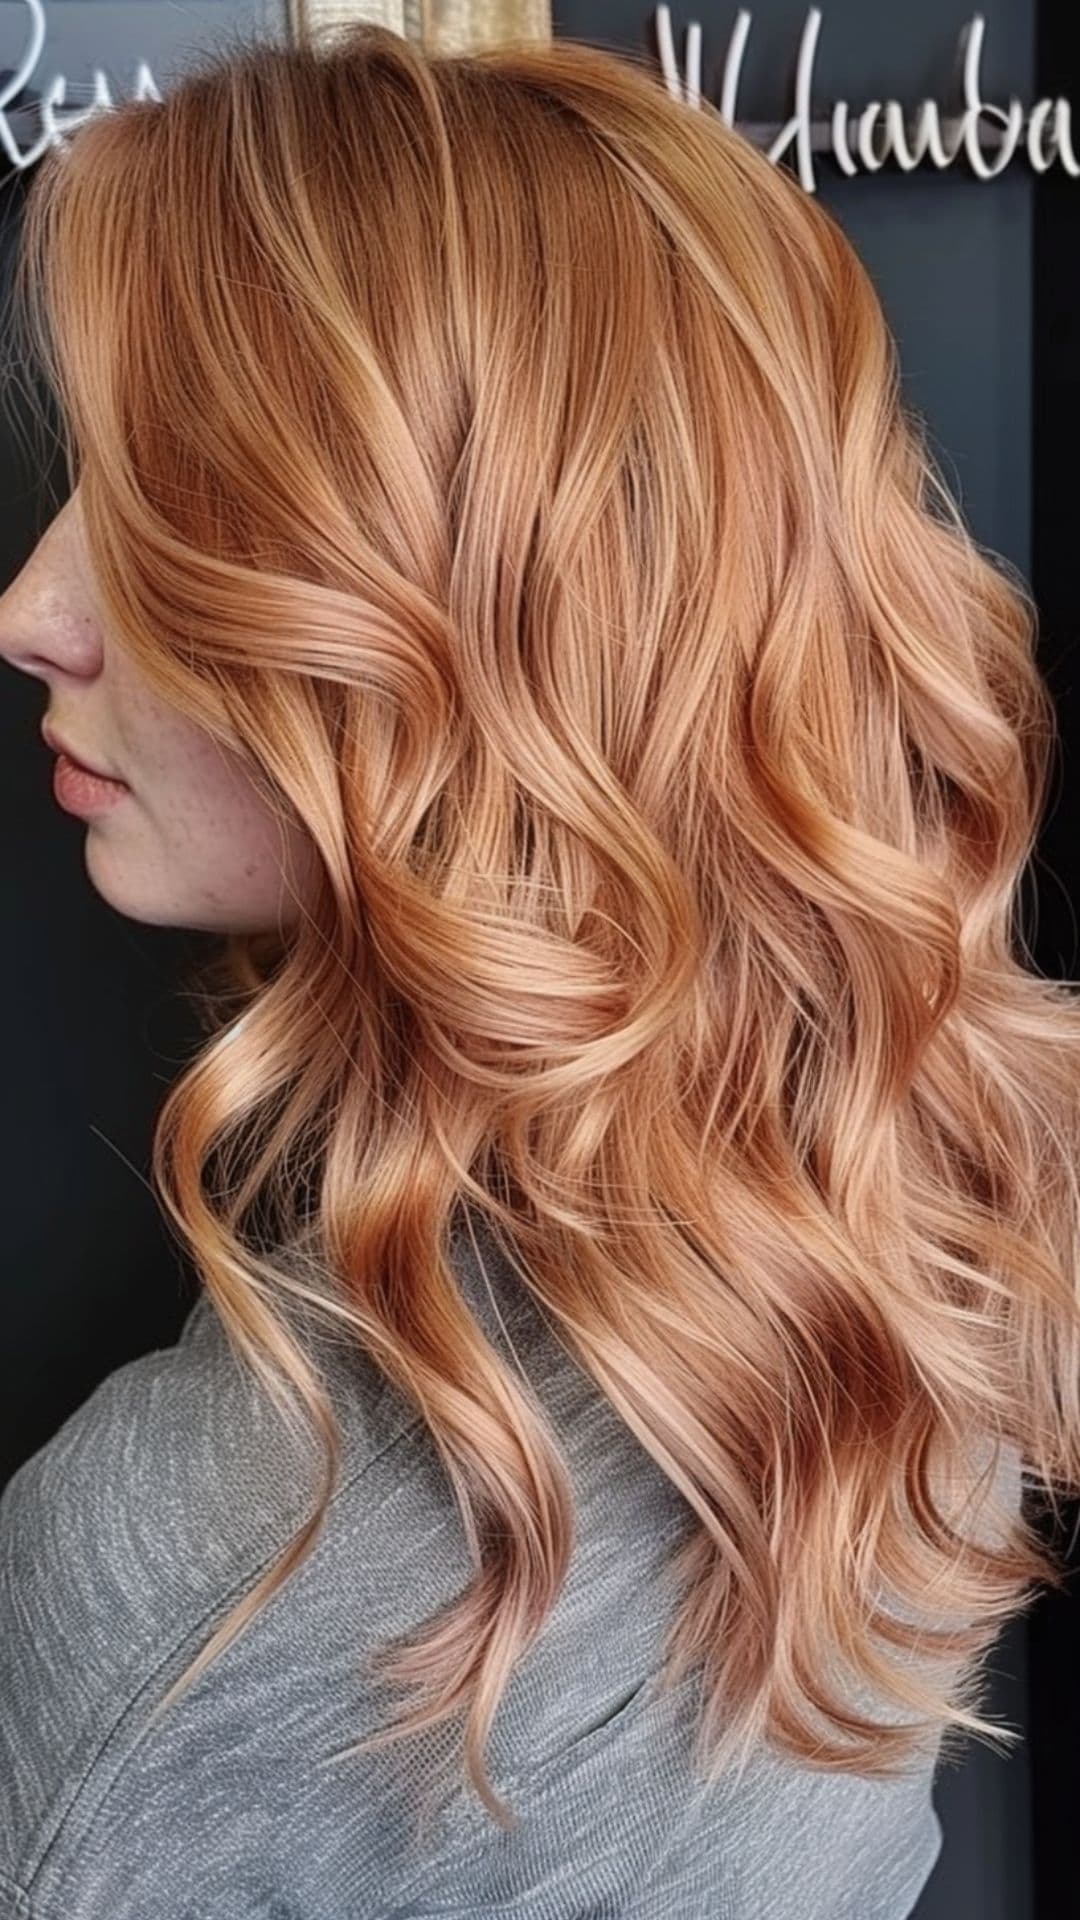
[(513, 460)]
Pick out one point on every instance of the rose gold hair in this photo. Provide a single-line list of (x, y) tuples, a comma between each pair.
[(512, 459)]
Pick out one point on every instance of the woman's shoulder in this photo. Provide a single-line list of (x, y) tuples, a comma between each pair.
[(161, 1435), (176, 1471), (178, 1478), (160, 1498)]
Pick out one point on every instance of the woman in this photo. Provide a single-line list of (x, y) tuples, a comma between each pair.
[(630, 1172)]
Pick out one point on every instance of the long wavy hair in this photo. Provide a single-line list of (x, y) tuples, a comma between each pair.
[(512, 459)]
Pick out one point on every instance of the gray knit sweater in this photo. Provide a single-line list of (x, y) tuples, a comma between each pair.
[(127, 1537)]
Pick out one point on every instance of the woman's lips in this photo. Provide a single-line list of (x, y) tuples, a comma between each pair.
[(79, 791)]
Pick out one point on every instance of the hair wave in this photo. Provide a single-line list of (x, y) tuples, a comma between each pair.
[(512, 459)]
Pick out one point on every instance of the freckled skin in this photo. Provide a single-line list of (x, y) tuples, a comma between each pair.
[(194, 844)]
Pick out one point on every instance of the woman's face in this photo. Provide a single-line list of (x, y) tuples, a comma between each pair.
[(191, 843)]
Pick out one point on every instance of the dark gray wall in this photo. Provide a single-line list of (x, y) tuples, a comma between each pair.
[(92, 1030)]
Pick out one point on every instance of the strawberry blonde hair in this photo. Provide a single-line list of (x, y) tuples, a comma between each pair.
[(512, 460)]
